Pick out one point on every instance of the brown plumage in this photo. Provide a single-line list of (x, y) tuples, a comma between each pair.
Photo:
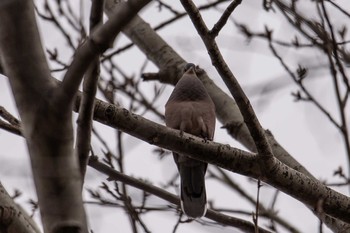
[(191, 110)]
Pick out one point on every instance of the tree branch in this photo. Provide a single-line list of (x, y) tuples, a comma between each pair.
[(46, 111), (48, 131), (333, 49), (305, 189), (253, 124), (84, 122), (99, 41), (171, 67), (171, 64), (12, 217), (214, 32)]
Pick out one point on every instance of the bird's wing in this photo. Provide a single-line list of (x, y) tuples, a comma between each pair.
[(194, 117)]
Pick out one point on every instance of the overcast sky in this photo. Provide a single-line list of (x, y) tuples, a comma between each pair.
[(298, 126)]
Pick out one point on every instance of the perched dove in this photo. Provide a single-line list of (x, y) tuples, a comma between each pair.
[(191, 110)]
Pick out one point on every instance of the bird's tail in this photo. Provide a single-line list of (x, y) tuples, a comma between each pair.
[(193, 195)]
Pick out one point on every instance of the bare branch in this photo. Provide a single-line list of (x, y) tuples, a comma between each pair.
[(11, 123), (253, 124), (47, 129), (99, 41), (224, 17), (334, 49), (84, 121), (304, 188), (12, 217), (264, 212), (52, 18), (10, 128), (165, 23), (171, 66)]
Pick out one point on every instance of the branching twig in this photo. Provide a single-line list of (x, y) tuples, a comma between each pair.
[(305, 91), (264, 212), (52, 18), (114, 175), (333, 49), (224, 17), (99, 41), (165, 23)]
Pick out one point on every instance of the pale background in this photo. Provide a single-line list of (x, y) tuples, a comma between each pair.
[(298, 126)]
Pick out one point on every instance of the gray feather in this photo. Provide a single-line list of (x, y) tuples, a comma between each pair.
[(191, 110)]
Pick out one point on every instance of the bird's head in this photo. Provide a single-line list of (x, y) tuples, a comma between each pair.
[(190, 68)]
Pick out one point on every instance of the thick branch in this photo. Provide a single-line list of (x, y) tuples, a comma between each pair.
[(301, 187), (171, 64), (12, 217), (171, 67), (305, 189), (48, 131)]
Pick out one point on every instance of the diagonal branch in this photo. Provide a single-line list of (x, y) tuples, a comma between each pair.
[(99, 41), (12, 217), (171, 66), (305, 189), (301, 187), (253, 124), (224, 17), (333, 48), (165, 23), (250, 119)]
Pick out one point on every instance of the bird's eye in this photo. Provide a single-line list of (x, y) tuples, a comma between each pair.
[(189, 66)]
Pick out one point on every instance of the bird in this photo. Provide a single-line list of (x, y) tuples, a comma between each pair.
[(190, 109)]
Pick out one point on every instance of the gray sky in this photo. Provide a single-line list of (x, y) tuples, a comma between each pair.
[(299, 127)]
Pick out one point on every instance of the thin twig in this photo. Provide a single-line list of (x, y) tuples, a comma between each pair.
[(344, 126), (166, 6), (338, 7), (52, 18), (220, 218), (98, 42), (165, 23), (224, 17), (264, 212), (305, 91)]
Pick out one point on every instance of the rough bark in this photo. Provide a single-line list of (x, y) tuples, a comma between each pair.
[(47, 129), (13, 219), (171, 65), (46, 109), (305, 189)]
